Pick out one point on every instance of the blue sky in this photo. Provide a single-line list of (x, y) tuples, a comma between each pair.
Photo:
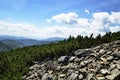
[(45, 17)]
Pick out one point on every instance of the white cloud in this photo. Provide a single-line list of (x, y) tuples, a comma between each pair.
[(115, 17), (21, 29), (66, 18), (114, 29), (82, 22), (100, 22), (87, 11)]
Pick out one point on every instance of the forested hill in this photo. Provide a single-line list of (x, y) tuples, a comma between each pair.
[(15, 63)]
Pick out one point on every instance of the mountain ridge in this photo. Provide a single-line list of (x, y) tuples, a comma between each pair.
[(12, 42)]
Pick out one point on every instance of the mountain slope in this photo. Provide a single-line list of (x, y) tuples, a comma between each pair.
[(4, 47), (10, 44), (28, 42)]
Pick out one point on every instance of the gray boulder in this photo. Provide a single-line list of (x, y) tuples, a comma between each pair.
[(81, 53), (117, 55), (63, 59)]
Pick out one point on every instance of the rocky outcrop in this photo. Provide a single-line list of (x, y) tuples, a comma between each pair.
[(99, 63)]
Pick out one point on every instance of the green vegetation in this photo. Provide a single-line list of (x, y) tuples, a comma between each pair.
[(8, 44), (15, 63), (3, 47)]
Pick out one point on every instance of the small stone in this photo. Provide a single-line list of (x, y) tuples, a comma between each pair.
[(93, 55), (62, 75), (109, 58), (118, 66), (31, 68), (89, 76), (77, 72), (103, 59), (24, 77), (69, 71), (76, 60), (58, 68), (97, 48), (92, 70), (114, 74), (72, 58), (99, 75), (104, 71), (82, 63), (98, 67), (80, 76), (102, 51), (50, 71), (32, 76), (83, 70), (73, 76), (100, 78), (112, 66), (47, 76)]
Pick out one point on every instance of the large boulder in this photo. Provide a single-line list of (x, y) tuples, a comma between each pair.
[(63, 59), (82, 53), (117, 55)]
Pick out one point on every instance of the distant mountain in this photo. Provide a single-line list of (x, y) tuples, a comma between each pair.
[(12, 42), (7, 44), (4, 37), (54, 39), (28, 42), (31, 42)]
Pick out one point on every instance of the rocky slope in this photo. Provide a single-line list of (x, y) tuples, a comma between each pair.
[(99, 63)]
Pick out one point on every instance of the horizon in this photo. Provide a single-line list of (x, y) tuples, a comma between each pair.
[(40, 39), (45, 19)]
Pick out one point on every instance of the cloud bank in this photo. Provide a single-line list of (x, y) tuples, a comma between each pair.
[(72, 24)]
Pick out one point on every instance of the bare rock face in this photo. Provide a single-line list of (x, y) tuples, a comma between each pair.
[(99, 63)]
